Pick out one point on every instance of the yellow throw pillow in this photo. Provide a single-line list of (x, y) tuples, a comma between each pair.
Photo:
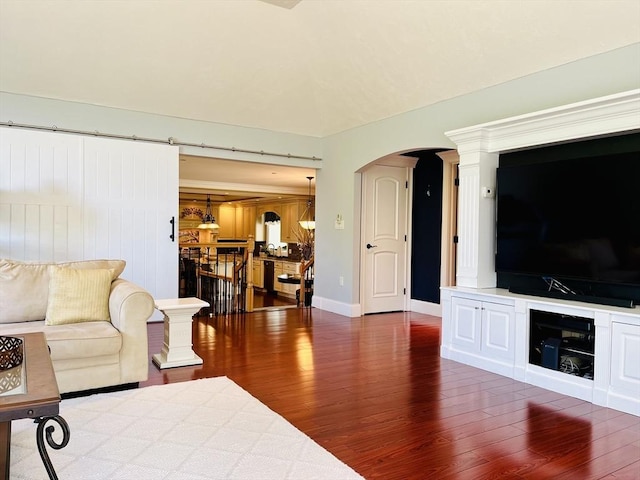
[(24, 286), (78, 295)]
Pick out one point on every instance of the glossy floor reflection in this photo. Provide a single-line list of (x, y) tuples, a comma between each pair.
[(374, 391), (265, 300)]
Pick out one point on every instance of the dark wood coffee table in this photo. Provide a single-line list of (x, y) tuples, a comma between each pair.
[(37, 397)]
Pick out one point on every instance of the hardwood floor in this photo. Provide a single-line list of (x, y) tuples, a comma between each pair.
[(375, 392), (265, 300)]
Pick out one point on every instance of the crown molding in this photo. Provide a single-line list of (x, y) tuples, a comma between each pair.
[(591, 118)]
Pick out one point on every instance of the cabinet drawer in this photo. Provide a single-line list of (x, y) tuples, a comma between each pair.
[(291, 267)]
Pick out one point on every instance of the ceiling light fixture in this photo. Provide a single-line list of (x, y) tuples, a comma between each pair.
[(208, 221), (308, 221)]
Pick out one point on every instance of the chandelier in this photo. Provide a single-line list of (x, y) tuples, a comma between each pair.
[(208, 221), (308, 221)]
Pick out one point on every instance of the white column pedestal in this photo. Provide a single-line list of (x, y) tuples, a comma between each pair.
[(177, 349)]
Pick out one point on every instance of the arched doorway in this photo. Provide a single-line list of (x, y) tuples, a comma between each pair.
[(431, 213)]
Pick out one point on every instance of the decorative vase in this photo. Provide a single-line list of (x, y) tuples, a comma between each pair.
[(306, 251)]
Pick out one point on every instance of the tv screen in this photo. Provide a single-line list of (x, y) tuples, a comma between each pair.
[(575, 218)]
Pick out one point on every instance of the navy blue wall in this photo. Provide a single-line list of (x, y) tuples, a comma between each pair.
[(427, 228)]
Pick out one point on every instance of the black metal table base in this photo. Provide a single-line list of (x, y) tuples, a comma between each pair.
[(45, 431)]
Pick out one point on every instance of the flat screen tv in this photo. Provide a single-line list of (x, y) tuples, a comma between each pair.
[(570, 218)]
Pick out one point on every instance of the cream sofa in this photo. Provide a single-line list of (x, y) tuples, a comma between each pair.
[(100, 352)]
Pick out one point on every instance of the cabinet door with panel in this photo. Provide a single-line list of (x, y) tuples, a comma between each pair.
[(227, 221), (248, 221), (466, 323), (258, 273), (498, 330), (483, 327), (625, 358), (278, 269), (291, 268), (289, 221), (239, 222)]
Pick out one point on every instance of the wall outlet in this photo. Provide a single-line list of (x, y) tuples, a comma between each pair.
[(341, 281), (488, 192)]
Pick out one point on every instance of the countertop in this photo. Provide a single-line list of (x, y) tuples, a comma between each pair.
[(277, 259)]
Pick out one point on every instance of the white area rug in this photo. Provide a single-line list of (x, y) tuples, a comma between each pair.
[(197, 430)]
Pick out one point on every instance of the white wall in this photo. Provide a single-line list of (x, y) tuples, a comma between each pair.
[(337, 251), (71, 115)]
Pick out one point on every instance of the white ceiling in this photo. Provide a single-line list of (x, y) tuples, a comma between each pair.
[(311, 67), (315, 67)]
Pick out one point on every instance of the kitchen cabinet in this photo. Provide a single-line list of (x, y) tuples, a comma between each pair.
[(248, 224), (278, 269), (258, 273), (290, 268), (285, 267), (289, 222), (239, 218), (227, 220)]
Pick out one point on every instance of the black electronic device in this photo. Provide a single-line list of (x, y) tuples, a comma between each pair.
[(551, 353), (568, 221)]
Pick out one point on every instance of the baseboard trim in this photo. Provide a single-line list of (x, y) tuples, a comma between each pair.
[(333, 306), (427, 308)]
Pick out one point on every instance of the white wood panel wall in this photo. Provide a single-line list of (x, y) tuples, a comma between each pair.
[(66, 197), (40, 196)]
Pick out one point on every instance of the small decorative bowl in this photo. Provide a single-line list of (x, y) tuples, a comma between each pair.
[(11, 352)]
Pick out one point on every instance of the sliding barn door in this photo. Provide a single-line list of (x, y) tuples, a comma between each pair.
[(131, 194), (67, 197)]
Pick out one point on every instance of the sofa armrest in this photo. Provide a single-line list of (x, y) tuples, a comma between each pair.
[(130, 306)]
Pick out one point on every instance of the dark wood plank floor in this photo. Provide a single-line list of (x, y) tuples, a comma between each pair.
[(375, 392)]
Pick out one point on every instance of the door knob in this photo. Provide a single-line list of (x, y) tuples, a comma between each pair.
[(371, 246)]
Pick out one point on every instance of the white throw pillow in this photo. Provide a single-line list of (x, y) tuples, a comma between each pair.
[(78, 295), (24, 289)]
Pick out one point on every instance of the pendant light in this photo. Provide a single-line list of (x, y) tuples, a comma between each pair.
[(208, 221), (308, 222)]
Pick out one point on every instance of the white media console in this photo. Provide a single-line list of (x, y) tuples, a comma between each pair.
[(490, 329)]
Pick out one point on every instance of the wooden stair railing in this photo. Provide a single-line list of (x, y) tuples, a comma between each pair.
[(306, 281), (230, 288)]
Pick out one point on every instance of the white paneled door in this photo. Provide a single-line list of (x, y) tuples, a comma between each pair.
[(384, 238), (68, 197)]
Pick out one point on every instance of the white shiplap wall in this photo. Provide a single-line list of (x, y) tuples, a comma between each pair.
[(67, 197)]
